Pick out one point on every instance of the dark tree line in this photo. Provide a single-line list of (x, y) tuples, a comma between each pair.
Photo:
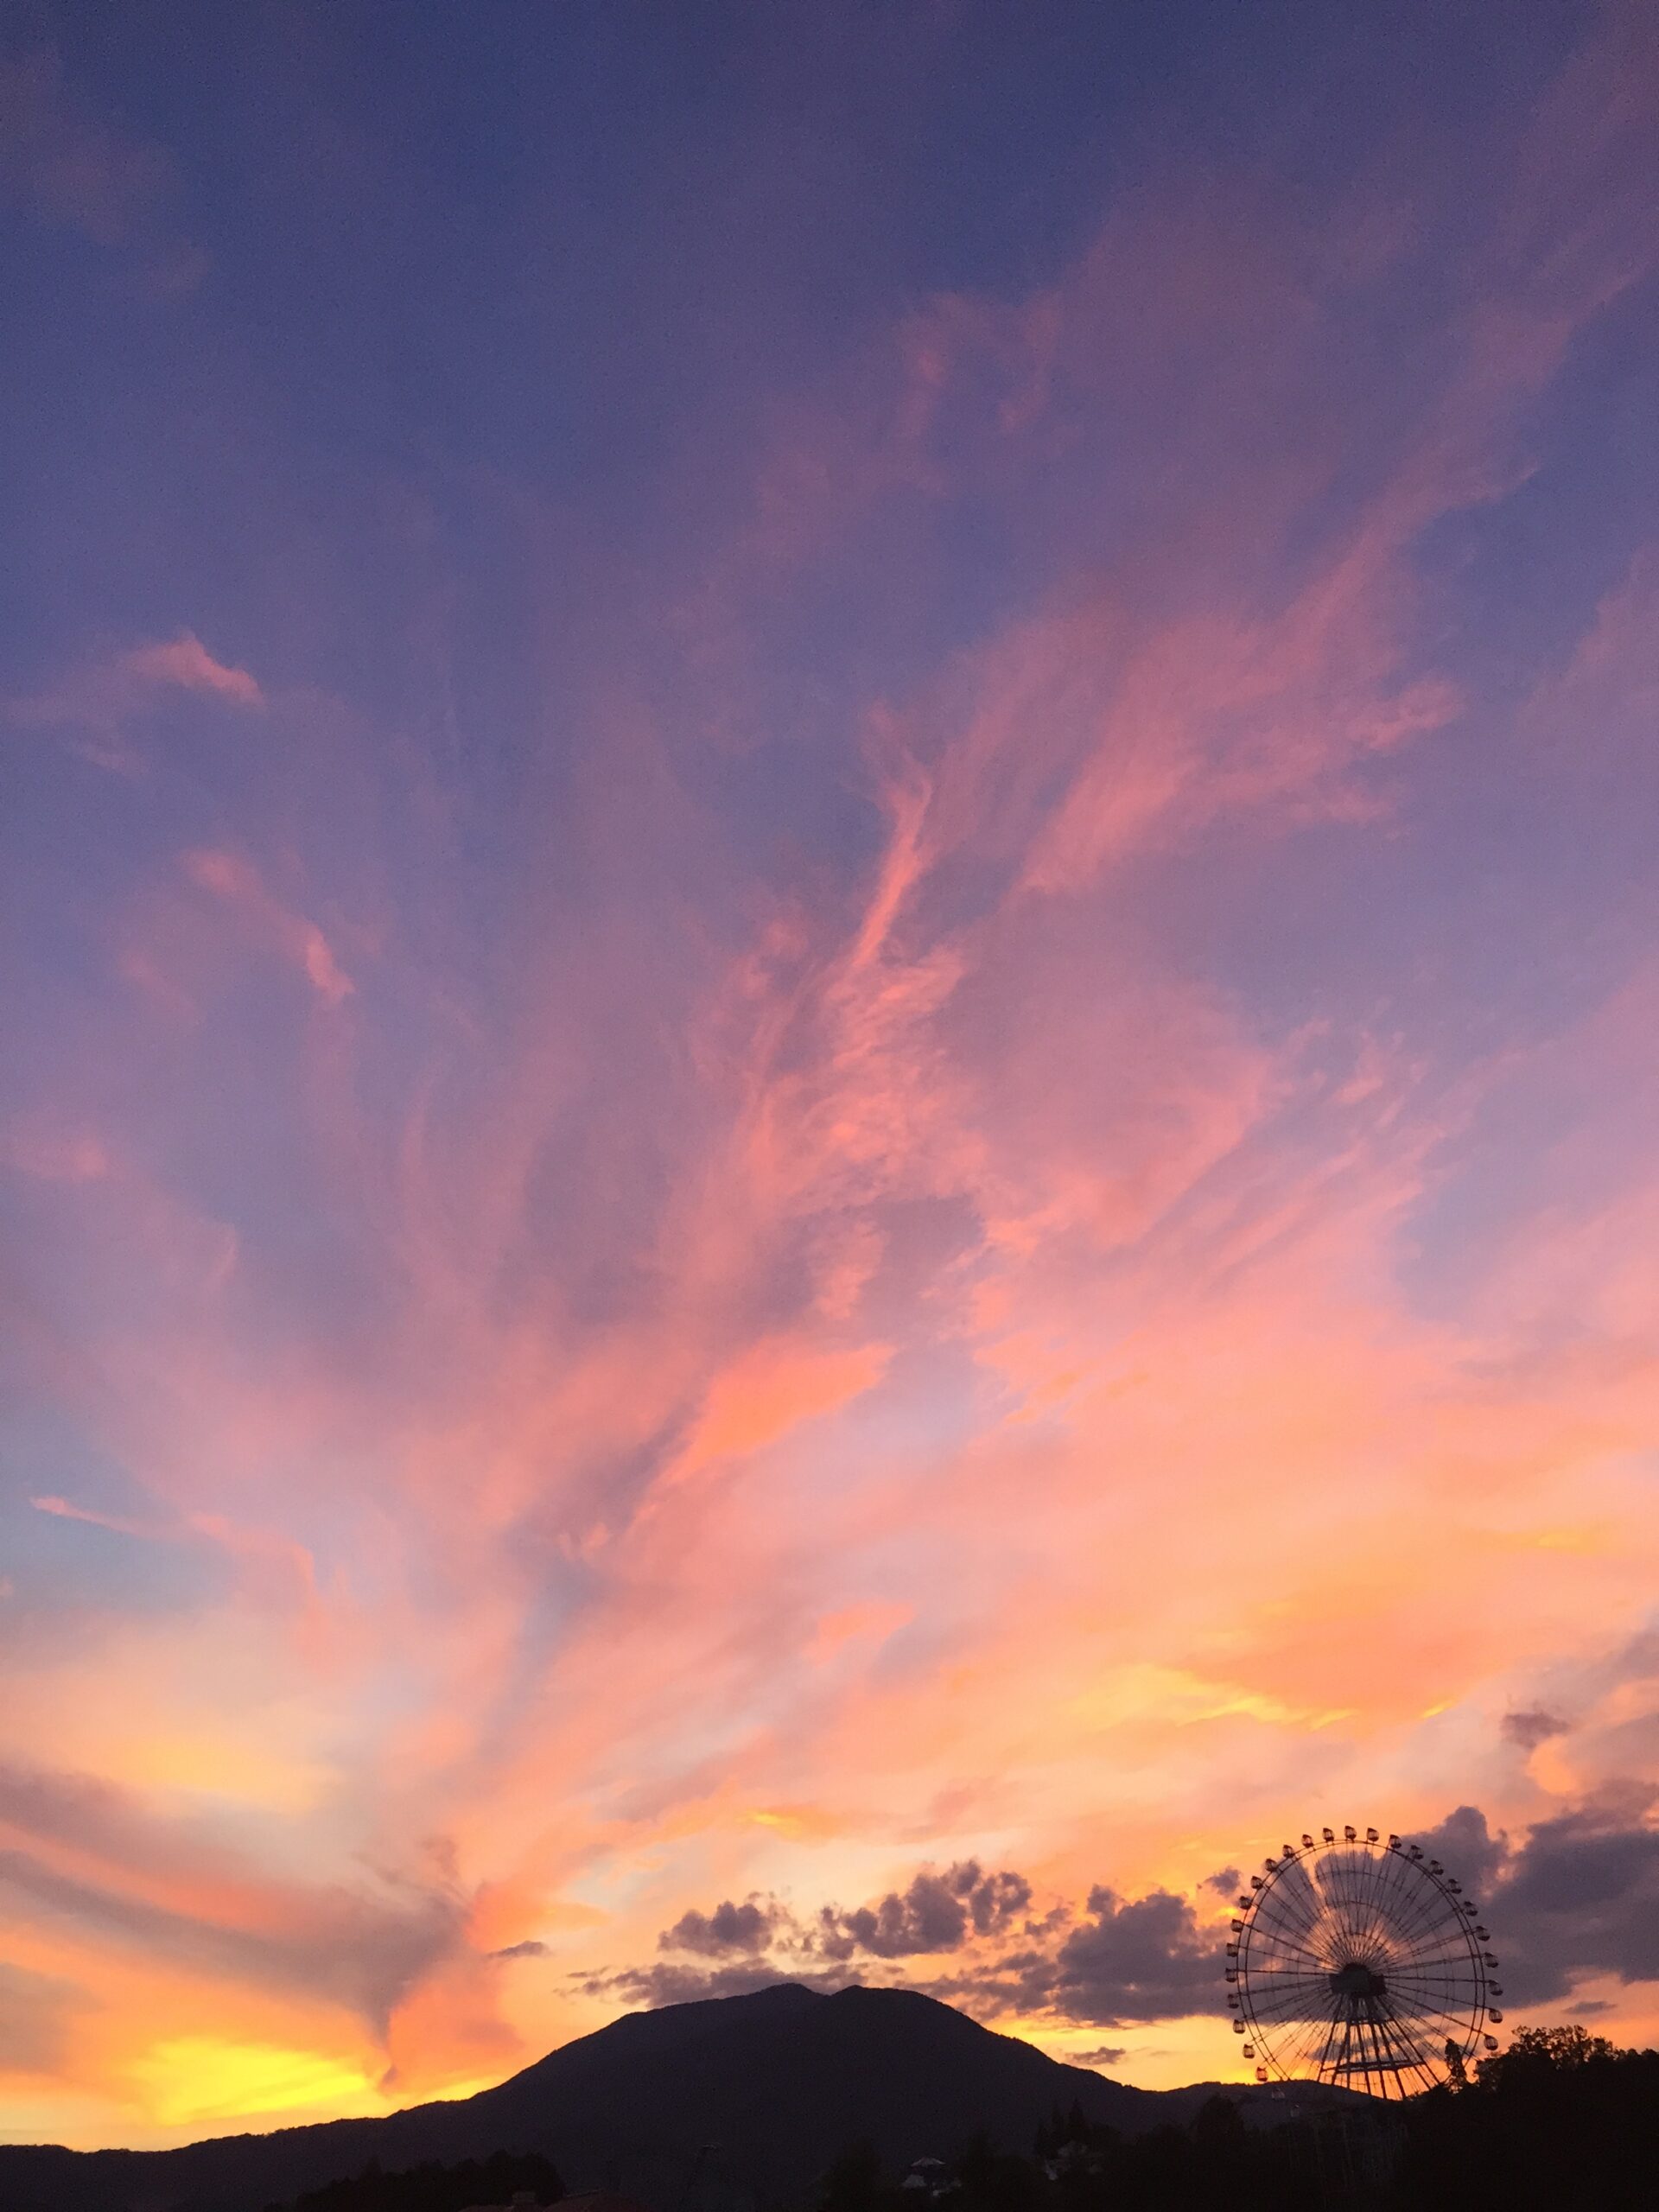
[(434, 2188), (1560, 2122), (1561, 2119)]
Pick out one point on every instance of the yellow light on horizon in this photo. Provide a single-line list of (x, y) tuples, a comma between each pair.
[(190, 2078)]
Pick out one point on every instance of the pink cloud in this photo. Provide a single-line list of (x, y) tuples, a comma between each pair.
[(69, 167), (61, 1509), (99, 699), (771, 1387), (186, 662), (233, 879), (57, 1156)]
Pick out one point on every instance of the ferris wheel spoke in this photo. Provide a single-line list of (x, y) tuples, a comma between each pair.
[(1417, 1900), (1306, 1920), (1349, 1906), (1438, 1985), (1384, 1911), (1280, 1912), (1437, 1949), (1318, 2049), (1409, 2004), (1330, 1885), (1407, 2024), (1394, 1908), (1441, 1943), (1421, 2005), (1434, 1911), (1292, 1989), (1280, 1940), (1433, 2030), (1409, 2055), (1282, 2004), (1440, 1939), (1456, 1966), (1448, 1940), (1404, 1990), (1311, 2048), (1368, 1901), (1284, 1950), (1440, 1971)]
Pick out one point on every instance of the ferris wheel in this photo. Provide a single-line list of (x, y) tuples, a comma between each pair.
[(1362, 1964)]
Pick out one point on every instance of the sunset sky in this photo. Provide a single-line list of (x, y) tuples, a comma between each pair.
[(830, 1121)]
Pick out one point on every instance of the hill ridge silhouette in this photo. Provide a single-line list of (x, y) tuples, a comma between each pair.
[(782, 2079)]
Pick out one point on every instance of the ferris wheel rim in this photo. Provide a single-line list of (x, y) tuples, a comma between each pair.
[(1370, 1976)]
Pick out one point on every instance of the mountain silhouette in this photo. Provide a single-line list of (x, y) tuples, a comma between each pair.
[(760, 2092)]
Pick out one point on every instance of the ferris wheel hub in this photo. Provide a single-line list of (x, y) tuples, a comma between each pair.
[(1356, 1978)]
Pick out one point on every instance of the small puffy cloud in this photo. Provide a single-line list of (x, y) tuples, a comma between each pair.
[(746, 1928), (528, 1949), (935, 1913), (1580, 1896), (667, 1983), (1105, 2054), (1532, 1727), (759, 1941), (1140, 1959), (926, 1918), (994, 1901), (1466, 1845)]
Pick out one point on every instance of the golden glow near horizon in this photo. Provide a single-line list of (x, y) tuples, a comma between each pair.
[(187, 2081)]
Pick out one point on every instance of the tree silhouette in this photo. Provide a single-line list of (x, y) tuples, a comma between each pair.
[(853, 2183)]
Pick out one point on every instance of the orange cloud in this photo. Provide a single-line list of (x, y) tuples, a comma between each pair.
[(769, 1390)]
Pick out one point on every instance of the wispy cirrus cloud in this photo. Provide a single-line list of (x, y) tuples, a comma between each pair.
[(96, 1860), (98, 704)]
